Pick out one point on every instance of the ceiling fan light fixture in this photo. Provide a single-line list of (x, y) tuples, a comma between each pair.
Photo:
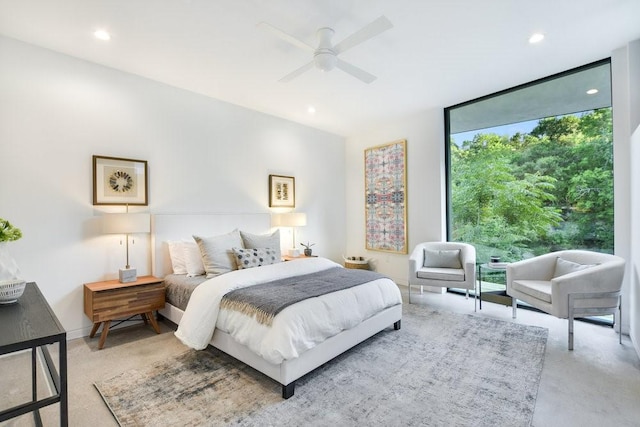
[(325, 61)]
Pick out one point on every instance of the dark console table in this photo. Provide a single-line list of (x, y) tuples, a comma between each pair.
[(31, 324)]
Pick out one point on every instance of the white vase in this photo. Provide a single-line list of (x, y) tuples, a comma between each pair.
[(11, 286), (8, 267)]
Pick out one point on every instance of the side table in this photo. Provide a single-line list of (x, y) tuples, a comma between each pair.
[(110, 300), (30, 323), (497, 296)]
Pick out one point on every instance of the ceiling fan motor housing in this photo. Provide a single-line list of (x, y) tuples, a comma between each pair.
[(325, 57)]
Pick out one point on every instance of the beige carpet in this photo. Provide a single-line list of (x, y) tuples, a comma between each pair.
[(441, 368)]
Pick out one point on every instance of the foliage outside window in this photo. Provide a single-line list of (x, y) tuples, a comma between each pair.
[(531, 193)]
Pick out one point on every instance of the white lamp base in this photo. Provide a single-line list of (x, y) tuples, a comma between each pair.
[(294, 253), (127, 275)]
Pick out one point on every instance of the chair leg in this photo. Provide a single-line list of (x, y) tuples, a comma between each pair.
[(619, 318), (570, 321), (475, 299), (514, 306), (467, 294), (409, 293)]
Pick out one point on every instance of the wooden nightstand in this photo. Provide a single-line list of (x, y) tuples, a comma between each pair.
[(110, 300), (290, 258)]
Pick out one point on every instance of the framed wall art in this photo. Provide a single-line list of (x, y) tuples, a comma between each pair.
[(282, 191), (118, 181), (385, 180)]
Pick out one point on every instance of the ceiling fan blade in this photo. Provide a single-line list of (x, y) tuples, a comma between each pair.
[(356, 72), (365, 33), (286, 37), (296, 73)]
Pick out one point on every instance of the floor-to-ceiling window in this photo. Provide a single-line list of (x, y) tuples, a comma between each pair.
[(530, 169)]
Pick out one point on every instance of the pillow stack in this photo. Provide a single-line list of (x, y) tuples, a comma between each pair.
[(221, 254)]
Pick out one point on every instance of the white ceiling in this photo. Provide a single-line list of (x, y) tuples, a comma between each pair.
[(439, 52)]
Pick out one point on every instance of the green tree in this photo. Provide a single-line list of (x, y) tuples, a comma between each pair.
[(593, 207), (547, 190), (492, 206)]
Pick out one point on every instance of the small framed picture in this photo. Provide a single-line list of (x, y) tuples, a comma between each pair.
[(282, 191), (118, 181)]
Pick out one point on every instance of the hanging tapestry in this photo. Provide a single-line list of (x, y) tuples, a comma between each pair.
[(385, 175)]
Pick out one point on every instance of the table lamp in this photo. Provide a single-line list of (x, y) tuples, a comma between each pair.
[(126, 223), (292, 220)]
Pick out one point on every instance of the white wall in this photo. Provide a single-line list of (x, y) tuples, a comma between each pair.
[(424, 133), (626, 122), (205, 156)]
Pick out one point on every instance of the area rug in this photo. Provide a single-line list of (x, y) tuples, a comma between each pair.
[(440, 369)]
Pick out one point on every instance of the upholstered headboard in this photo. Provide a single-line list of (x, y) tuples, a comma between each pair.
[(165, 227)]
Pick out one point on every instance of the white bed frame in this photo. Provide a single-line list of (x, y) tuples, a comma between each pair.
[(182, 226)]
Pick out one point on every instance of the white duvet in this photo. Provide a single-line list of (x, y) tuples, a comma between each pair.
[(295, 329)]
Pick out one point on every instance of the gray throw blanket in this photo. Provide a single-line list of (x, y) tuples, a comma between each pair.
[(266, 300)]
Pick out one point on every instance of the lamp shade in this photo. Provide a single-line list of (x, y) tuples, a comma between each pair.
[(290, 219), (126, 223)]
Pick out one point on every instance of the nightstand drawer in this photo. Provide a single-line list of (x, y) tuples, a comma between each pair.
[(114, 303)]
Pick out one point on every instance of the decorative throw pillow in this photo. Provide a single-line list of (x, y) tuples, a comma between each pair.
[(271, 241), (217, 255), (442, 258), (192, 259), (176, 254), (248, 258), (565, 267)]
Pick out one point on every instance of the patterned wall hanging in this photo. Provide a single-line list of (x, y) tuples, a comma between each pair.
[(385, 175)]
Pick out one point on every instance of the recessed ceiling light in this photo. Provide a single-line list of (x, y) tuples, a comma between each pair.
[(102, 35), (311, 109), (592, 91), (536, 38)]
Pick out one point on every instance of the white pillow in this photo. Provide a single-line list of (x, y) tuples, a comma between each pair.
[(248, 258), (176, 253), (270, 241), (442, 259), (193, 259), (565, 267), (217, 254)]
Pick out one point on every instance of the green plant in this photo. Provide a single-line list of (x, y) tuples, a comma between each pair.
[(8, 233), (307, 245)]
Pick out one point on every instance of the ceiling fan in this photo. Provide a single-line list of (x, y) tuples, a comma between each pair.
[(325, 55)]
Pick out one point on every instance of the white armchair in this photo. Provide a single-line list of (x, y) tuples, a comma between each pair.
[(443, 264), (568, 284)]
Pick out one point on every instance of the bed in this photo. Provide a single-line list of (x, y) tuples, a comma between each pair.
[(283, 365)]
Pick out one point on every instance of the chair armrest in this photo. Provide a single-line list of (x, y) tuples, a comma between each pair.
[(416, 260), (469, 262), (605, 277)]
